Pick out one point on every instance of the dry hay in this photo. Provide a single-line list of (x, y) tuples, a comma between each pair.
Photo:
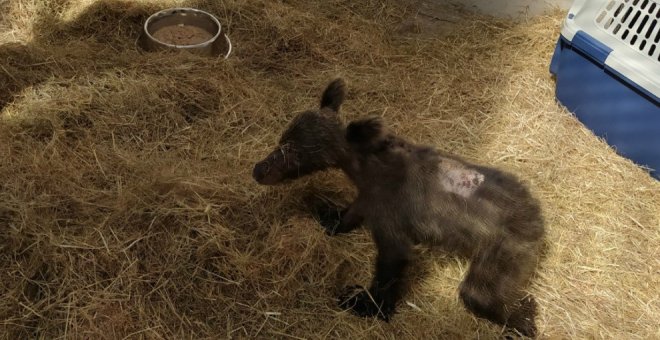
[(127, 207)]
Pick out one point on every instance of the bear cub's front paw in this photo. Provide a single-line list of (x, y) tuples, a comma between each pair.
[(363, 304)]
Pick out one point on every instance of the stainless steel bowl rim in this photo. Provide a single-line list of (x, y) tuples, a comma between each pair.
[(182, 9)]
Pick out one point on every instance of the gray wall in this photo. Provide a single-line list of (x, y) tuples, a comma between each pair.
[(512, 8)]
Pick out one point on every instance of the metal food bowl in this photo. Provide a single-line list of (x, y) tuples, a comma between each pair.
[(217, 45)]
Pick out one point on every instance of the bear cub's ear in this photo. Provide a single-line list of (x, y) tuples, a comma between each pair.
[(333, 95), (365, 132)]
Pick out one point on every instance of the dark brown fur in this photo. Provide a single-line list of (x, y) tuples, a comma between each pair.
[(405, 198), (411, 194)]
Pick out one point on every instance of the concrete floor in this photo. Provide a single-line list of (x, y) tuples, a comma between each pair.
[(510, 8), (439, 17)]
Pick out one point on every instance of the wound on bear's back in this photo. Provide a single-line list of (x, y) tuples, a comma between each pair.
[(458, 179)]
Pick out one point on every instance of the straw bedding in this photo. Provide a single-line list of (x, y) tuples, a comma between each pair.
[(127, 209)]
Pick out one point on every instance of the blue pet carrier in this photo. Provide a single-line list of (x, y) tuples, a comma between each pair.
[(607, 67)]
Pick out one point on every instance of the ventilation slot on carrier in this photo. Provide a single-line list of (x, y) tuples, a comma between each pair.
[(633, 22)]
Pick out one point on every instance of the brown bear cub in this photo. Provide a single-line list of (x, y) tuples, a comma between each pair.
[(411, 194)]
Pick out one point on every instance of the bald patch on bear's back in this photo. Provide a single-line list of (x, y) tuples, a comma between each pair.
[(457, 178)]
